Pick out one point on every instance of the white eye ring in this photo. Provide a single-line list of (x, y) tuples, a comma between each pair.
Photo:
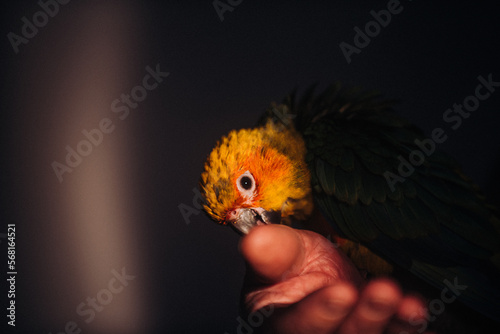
[(246, 184)]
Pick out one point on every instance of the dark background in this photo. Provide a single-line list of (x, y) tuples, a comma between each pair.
[(223, 74)]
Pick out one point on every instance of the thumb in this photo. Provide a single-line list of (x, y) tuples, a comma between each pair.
[(273, 252)]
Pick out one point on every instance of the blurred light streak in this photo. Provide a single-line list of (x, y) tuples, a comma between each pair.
[(86, 224)]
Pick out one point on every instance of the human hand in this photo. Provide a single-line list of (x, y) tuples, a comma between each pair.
[(315, 288)]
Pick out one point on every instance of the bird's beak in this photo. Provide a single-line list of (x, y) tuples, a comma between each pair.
[(245, 219)]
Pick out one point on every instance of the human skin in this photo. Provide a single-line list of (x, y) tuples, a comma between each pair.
[(314, 288)]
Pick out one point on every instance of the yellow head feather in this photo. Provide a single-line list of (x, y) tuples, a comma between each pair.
[(273, 155)]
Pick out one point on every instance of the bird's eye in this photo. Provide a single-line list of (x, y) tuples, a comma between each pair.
[(246, 184)]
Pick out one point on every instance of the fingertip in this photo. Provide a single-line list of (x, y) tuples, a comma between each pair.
[(272, 250), (340, 295), (383, 289), (252, 243), (411, 309), (265, 239), (339, 300), (380, 299), (411, 316)]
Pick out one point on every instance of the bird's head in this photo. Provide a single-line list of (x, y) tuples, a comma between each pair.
[(257, 176)]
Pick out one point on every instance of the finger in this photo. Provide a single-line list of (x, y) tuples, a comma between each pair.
[(287, 292), (410, 317), (321, 312), (378, 302), (273, 252)]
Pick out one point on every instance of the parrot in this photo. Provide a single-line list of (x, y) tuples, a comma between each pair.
[(344, 164)]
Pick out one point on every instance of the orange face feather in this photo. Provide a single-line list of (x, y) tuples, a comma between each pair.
[(273, 156)]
